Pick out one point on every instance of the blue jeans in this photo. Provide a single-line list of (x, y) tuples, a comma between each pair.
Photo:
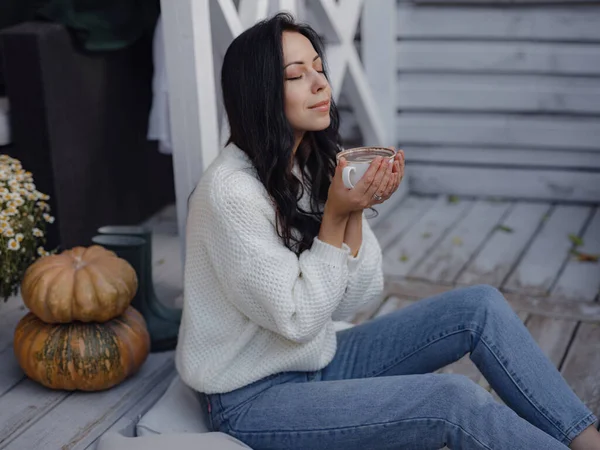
[(379, 392)]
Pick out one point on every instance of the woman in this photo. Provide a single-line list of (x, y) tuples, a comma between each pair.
[(278, 249)]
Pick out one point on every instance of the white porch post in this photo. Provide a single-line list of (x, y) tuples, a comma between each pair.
[(192, 97)]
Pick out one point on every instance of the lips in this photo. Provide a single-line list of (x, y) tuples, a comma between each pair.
[(323, 104)]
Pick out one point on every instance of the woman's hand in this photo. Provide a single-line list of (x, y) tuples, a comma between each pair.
[(378, 179), (394, 181)]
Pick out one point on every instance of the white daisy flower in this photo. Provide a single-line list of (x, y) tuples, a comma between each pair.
[(19, 237), (9, 232), (13, 244), (37, 232), (45, 206), (48, 218)]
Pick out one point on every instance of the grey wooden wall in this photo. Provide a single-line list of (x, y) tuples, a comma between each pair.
[(500, 98)]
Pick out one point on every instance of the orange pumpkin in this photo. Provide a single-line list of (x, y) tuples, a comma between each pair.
[(88, 284), (82, 356)]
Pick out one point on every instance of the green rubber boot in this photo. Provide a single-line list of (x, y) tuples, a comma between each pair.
[(163, 332), (157, 307)]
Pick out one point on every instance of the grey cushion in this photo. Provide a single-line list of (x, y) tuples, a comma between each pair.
[(177, 411), (176, 441)]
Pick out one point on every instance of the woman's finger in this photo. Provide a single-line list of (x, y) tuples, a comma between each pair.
[(399, 175), (398, 170), (391, 181), (368, 178), (380, 184)]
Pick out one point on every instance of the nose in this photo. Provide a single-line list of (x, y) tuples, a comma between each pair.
[(319, 82)]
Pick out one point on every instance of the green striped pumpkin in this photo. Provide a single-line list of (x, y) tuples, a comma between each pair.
[(82, 356)]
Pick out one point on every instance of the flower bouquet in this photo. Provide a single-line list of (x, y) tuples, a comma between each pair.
[(24, 214)]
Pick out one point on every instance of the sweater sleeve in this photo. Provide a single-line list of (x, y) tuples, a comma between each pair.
[(286, 294), (365, 273)]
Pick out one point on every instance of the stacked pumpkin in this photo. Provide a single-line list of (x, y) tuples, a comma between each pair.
[(81, 333)]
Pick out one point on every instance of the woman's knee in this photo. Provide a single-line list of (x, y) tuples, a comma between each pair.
[(487, 298), (459, 391)]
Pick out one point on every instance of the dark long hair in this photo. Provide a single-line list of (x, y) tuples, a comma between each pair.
[(252, 80)]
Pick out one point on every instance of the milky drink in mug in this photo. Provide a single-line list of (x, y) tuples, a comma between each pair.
[(359, 159)]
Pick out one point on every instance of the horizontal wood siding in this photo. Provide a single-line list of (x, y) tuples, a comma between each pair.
[(500, 98)]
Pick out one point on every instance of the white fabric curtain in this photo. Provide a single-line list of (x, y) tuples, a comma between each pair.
[(159, 125)]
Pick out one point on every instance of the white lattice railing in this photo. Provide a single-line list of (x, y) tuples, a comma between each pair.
[(197, 33)]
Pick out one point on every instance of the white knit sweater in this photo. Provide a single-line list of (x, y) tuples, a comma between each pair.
[(252, 308)]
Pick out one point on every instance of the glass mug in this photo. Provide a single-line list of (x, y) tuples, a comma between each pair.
[(359, 159)]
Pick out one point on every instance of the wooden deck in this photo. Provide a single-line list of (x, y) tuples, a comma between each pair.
[(431, 244)]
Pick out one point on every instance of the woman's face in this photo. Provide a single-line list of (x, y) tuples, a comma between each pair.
[(306, 90)]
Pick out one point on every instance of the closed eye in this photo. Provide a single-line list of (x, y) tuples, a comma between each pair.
[(298, 77)]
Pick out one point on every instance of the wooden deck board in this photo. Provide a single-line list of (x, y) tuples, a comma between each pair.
[(580, 281), (10, 313), (456, 249), (82, 416), (545, 306), (10, 371), (582, 365), (537, 271), (502, 250), (27, 403), (405, 254), (552, 335), (402, 218)]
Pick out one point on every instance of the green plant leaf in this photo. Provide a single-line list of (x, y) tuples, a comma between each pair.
[(453, 199), (505, 228), (576, 240), (404, 257)]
